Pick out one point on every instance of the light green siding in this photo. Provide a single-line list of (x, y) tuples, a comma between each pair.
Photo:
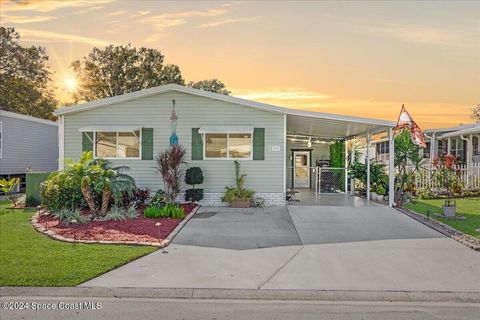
[(193, 112)]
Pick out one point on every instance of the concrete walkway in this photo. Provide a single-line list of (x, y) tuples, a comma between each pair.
[(305, 248)]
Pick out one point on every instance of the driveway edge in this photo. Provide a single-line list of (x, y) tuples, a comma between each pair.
[(243, 294)]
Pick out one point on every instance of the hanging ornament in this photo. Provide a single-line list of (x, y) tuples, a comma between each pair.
[(173, 119)]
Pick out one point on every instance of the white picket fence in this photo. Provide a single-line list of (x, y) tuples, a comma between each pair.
[(469, 176)]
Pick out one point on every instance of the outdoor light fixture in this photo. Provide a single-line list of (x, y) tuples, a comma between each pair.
[(309, 143), (158, 224), (74, 222)]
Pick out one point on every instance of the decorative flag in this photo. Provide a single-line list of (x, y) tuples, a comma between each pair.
[(405, 121), (173, 119)]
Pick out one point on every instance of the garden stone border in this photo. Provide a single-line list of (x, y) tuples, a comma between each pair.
[(50, 233), (465, 239)]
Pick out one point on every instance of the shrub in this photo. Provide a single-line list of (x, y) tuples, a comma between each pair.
[(446, 175), (8, 187), (173, 210), (425, 194), (194, 176), (193, 194), (152, 212), (31, 201), (115, 214), (138, 197), (381, 190), (158, 200), (131, 212), (68, 215), (59, 193)]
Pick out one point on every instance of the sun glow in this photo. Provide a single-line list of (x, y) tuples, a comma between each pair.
[(70, 83)]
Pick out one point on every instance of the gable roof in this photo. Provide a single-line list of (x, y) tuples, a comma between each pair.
[(201, 93)]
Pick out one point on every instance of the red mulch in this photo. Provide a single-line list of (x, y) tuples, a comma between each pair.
[(140, 229)]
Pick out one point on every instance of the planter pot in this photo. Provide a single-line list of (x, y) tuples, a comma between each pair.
[(240, 203), (449, 211), (373, 195), (379, 197)]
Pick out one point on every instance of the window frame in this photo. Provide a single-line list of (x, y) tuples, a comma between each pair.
[(204, 138), (116, 146)]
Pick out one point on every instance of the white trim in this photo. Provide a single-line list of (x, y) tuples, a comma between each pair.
[(9, 114), (220, 97), (391, 169), (110, 128), (61, 143), (472, 130), (368, 165), (228, 147), (139, 138), (226, 129)]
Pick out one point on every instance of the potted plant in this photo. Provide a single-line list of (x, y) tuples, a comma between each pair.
[(193, 176), (373, 192), (380, 193), (446, 175), (237, 196)]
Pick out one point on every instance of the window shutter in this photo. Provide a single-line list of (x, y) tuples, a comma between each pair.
[(259, 144), (87, 141), (147, 143), (197, 145)]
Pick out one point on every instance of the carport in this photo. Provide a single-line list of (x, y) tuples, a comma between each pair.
[(307, 132)]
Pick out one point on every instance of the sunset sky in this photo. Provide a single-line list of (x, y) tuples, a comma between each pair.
[(356, 58)]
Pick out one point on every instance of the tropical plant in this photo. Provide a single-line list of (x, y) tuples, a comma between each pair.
[(446, 175), (237, 192), (8, 187), (68, 216), (58, 193), (152, 212), (407, 161), (158, 200), (115, 214), (131, 212), (194, 176), (136, 198), (169, 164)]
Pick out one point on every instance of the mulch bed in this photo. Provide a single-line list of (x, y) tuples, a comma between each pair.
[(140, 229)]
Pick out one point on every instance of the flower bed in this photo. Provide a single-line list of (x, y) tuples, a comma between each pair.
[(140, 229)]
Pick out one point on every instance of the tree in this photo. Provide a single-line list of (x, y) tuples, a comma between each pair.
[(476, 113), (25, 81), (407, 161), (212, 85), (116, 70)]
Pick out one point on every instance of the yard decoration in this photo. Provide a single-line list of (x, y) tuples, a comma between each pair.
[(8, 187), (238, 197), (194, 176), (169, 164), (446, 174), (173, 119)]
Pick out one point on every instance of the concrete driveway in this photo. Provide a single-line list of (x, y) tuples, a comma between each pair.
[(305, 248)]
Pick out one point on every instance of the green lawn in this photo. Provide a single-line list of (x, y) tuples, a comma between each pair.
[(28, 258), (467, 207)]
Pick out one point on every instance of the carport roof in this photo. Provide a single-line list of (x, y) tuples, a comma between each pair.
[(305, 122)]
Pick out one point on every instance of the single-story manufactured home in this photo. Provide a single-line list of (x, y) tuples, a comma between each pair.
[(278, 148), (27, 144)]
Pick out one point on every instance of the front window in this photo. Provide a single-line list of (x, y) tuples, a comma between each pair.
[(117, 144), (228, 145)]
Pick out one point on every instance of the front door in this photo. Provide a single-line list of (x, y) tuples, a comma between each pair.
[(301, 170)]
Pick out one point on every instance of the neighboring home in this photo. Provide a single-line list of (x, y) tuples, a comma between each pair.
[(278, 148), (27, 143), (463, 141)]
